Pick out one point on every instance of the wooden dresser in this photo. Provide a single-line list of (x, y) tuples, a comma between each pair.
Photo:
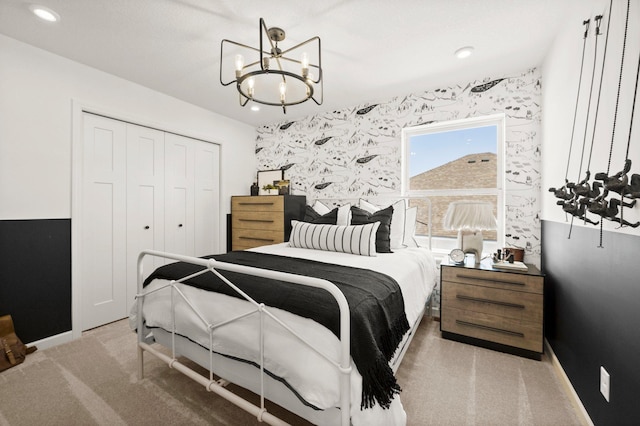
[(263, 219), (497, 309)]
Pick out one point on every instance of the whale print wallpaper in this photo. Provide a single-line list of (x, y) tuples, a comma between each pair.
[(356, 152)]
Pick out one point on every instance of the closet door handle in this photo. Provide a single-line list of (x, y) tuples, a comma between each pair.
[(179, 225), (147, 227)]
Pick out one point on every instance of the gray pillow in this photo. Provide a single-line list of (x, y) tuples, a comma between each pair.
[(362, 217)]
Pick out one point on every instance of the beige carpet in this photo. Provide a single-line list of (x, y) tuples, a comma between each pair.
[(93, 380)]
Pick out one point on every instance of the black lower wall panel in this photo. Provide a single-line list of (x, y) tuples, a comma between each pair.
[(592, 317), (35, 276)]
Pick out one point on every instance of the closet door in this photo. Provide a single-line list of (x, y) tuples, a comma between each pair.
[(103, 222), (207, 198), (145, 201), (179, 195)]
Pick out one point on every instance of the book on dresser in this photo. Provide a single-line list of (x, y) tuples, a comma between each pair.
[(500, 309), (263, 219)]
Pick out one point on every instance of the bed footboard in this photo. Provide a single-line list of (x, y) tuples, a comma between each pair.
[(343, 364)]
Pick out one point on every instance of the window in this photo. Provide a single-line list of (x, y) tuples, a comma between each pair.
[(452, 161)]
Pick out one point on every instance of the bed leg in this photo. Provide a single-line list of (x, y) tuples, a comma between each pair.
[(140, 363)]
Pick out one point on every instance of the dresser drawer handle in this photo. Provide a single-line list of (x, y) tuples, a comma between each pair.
[(494, 302), (257, 220), (486, 327), (491, 280), (256, 204), (256, 239)]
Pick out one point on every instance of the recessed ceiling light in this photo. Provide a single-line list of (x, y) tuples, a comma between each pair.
[(44, 13), (255, 108), (464, 52)]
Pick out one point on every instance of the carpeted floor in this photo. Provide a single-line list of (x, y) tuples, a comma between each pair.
[(93, 380)]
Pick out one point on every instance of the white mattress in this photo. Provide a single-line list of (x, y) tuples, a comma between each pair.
[(312, 376)]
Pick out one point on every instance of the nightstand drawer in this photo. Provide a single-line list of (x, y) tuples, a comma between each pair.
[(494, 279), (518, 305), (260, 203), (268, 221), (506, 331)]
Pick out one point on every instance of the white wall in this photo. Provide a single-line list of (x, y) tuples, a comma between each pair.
[(560, 72), (37, 89)]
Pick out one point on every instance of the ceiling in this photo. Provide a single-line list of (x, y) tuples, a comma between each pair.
[(372, 50)]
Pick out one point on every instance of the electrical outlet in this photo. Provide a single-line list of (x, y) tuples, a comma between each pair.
[(605, 383)]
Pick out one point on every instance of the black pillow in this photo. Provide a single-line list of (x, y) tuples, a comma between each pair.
[(362, 217), (312, 216)]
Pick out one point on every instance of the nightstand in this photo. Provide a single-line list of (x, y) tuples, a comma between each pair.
[(496, 309)]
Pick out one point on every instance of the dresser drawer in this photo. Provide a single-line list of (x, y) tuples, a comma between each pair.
[(260, 203), (506, 331), (494, 279), (507, 303), (268, 221), (249, 238)]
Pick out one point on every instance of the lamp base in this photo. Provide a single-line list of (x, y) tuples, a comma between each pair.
[(471, 242)]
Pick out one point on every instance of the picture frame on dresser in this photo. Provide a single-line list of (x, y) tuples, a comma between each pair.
[(493, 308), (267, 177)]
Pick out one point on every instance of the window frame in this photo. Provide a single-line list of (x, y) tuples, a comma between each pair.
[(445, 244)]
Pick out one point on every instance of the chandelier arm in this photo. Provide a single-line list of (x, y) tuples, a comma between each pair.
[(239, 44), (263, 26), (302, 44), (321, 95), (222, 55), (240, 96), (317, 67)]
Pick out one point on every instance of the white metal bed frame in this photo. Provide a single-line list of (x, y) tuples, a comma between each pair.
[(343, 364)]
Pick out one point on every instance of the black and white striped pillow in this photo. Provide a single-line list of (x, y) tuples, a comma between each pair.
[(354, 239)]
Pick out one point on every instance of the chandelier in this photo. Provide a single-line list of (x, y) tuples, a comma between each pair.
[(270, 75)]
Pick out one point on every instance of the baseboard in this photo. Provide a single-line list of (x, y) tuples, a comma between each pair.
[(571, 392), (49, 342)]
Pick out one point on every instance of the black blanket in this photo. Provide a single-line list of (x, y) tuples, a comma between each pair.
[(378, 320)]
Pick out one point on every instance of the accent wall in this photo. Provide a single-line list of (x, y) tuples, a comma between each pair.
[(593, 278), (356, 152)]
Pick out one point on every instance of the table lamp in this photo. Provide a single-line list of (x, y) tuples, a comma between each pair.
[(469, 218)]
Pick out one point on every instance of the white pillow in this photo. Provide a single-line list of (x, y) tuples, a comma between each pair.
[(320, 208), (344, 212), (354, 239), (397, 234), (410, 227)]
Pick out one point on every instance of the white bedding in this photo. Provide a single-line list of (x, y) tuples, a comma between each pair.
[(312, 376)]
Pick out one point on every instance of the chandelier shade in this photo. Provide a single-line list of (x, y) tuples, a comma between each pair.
[(268, 74)]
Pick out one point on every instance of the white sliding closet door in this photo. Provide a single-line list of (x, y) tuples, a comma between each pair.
[(179, 195), (207, 198), (103, 222), (145, 201), (141, 189)]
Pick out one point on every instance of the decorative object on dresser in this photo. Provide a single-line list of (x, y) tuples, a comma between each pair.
[(469, 218), (284, 186), (255, 189), (270, 190), (496, 309), (267, 178), (263, 219)]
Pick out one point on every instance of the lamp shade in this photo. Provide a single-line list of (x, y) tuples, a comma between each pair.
[(472, 215)]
